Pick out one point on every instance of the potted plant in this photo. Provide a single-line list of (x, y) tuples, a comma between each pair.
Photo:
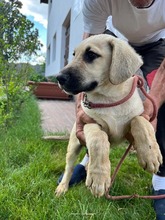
[(47, 87)]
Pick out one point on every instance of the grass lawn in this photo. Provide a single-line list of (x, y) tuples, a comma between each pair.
[(30, 167)]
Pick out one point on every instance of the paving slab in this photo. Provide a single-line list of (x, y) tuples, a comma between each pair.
[(57, 116)]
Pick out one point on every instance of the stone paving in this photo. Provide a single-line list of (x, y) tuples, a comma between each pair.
[(57, 116)]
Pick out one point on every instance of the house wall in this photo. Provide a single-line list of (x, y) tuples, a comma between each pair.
[(58, 12)]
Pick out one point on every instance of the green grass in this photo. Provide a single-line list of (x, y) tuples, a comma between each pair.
[(30, 167)]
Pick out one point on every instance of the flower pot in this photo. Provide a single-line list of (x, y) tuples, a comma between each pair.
[(48, 90)]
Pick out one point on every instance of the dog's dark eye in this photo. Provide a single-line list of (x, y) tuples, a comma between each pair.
[(73, 54), (90, 56)]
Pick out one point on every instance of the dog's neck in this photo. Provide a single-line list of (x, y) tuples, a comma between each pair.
[(90, 104)]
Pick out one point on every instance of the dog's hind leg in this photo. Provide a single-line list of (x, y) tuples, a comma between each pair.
[(74, 148), (148, 152)]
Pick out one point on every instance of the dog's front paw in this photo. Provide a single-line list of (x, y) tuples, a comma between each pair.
[(98, 183), (61, 189), (150, 157), (148, 152)]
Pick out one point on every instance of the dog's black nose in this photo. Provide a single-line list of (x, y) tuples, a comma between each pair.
[(62, 79)]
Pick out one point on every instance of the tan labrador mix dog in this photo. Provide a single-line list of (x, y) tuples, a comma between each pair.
[(102, 68)]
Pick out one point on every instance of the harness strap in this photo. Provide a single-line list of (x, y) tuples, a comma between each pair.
[(110, 197)]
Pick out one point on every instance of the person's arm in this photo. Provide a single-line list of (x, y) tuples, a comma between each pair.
[(158, 85), (81, 117), (86, 35), (157, 92), (95, 14)]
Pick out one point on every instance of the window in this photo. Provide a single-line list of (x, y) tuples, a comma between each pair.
[(66, 39), (48, 55), (50, 5), (54, 48)]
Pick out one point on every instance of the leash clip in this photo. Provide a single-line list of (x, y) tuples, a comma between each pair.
[(86, 103)]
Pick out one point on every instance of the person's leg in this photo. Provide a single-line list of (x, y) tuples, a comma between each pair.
[(85, 160), (79, 172), (160, 135), (158, 180), (153, 54)]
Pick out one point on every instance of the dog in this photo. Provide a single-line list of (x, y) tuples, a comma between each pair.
[(103, 68)]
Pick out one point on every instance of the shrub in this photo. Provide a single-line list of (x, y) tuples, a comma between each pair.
[(13, 91), (52, 79), (36, 77)]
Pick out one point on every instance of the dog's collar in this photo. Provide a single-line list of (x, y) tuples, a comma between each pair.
[(137, 82)]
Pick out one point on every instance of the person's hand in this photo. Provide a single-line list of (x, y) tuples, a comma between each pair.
[(148, 112), (157, 90), (81, 119)]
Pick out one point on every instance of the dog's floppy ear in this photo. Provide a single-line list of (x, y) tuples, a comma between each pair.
[(125, 61)]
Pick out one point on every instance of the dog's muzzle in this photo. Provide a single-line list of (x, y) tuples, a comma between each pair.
[(62, 79), (73, 83), (69, 83)]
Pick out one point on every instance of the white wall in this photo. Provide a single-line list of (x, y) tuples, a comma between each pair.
[(58, 10)]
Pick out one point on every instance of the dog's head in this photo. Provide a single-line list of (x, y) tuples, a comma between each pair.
[(99, 60)]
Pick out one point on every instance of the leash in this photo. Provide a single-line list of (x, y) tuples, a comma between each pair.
[(139, 83), (110, 197), (90, 105)]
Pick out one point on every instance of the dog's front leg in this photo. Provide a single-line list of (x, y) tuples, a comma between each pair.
[(73, 150), (148, 152), (98, 169)]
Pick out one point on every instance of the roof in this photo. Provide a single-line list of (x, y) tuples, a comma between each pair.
[(44, 1)]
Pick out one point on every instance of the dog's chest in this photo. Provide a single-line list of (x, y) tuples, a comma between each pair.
[(115, 125), (116, 120)]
